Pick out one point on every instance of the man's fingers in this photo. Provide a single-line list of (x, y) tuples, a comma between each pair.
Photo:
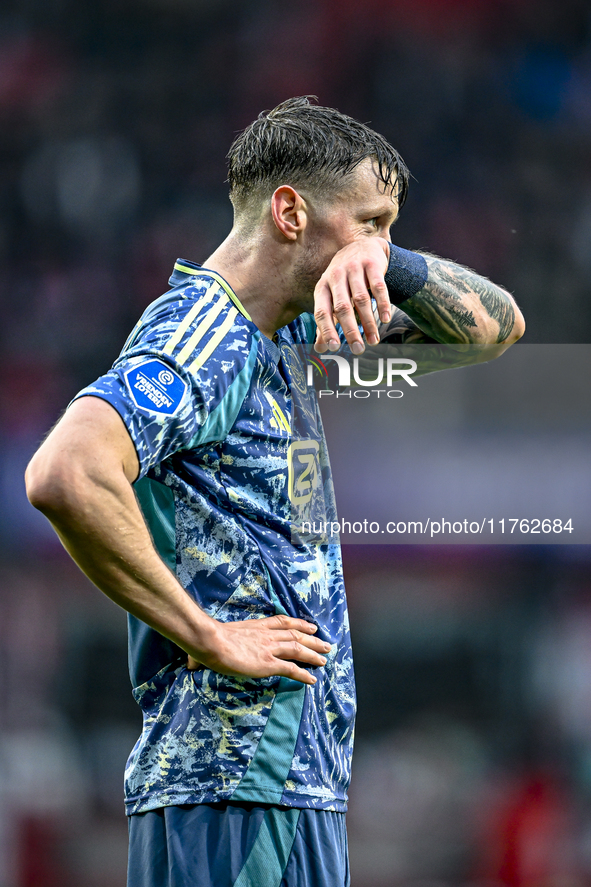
[(361, 300), (348, 301), (345, 313), (293, 671), (303, 641), (263, 647), (354, 276), (323, 314), (285, 622), (292, 635), (299, 652), (379, 291), (320, 346), (311, 643), (281, 667)]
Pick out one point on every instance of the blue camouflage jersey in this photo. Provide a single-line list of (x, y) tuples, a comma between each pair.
[(231, 454)]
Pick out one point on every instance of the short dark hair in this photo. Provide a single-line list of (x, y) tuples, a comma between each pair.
[(299, 143)]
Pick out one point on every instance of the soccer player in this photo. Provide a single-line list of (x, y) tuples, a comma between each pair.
[(171, 481)]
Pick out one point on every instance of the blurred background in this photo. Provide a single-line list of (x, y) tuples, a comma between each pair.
[(473, 763)]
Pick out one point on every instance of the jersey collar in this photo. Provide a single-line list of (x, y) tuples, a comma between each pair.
[(184, 270)]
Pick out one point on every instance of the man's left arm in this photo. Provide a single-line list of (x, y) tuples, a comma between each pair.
[(438, 300)]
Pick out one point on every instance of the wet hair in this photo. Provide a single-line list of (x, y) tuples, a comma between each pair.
[(303, 144)]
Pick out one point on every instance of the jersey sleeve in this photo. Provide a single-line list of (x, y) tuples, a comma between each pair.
[(183, 373)]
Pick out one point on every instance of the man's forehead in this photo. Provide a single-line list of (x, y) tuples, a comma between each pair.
[(365, 185), (366, 177)]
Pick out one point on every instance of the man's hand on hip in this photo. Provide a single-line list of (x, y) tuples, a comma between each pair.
[(260, 648), (81, 479)]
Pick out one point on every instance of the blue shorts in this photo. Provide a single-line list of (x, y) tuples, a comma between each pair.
[(231, 845)]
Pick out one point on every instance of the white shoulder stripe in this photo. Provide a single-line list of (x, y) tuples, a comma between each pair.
[(189, 318), (203, 327), (214, 341)]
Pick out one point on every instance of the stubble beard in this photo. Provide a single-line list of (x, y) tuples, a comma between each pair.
[(306, 275)]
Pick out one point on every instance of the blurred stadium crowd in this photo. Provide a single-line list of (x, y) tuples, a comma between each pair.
[(474, 756)]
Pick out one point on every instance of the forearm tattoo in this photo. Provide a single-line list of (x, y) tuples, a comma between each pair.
[(456, 304), (500, 310), (431, 356), (400, 330)]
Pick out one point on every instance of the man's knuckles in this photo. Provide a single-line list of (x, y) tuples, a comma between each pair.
[(323, 315)]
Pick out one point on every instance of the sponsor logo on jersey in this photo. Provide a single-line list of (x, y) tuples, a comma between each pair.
[(155, 387), (303, 470)]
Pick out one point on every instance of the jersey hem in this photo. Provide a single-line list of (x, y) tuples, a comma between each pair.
[(288, 799)]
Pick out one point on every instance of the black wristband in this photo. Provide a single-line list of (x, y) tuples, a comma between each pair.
[(406, 274)]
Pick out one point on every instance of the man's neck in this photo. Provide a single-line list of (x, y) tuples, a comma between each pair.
[(253, 271)]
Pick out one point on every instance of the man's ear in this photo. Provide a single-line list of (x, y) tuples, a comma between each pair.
[(289, 212)]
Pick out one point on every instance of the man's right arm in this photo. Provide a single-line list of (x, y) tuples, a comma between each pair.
[(440, 302), (81, 479)]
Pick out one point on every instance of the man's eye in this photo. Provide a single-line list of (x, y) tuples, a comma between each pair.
[(373, 222)]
